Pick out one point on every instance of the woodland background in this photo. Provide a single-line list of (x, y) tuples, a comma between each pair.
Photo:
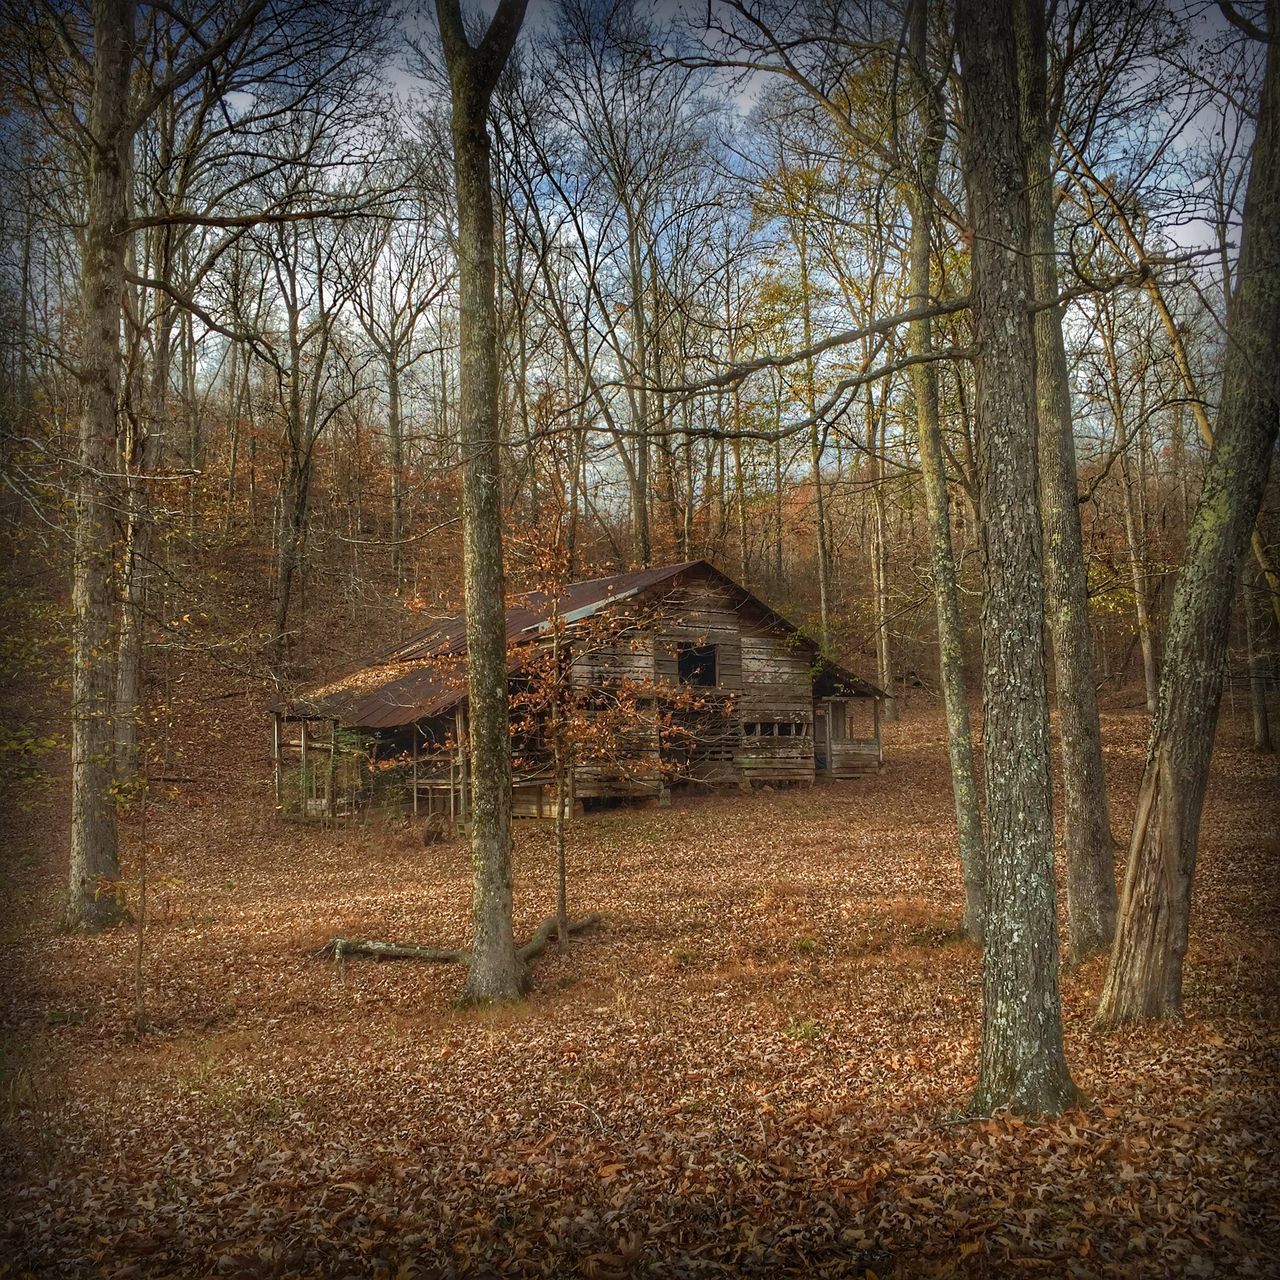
[(709, 345)]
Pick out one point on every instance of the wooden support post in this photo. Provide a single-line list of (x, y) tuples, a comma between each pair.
[(875, 703), (414, 731), (459, 724), (304, 788), (275, 758), (333, 774)]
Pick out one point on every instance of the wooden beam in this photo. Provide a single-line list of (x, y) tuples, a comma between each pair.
[(304, 789), (275, 759), (333, 773), (459, 723)]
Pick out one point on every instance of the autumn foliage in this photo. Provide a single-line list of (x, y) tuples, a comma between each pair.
[(753, 1069)]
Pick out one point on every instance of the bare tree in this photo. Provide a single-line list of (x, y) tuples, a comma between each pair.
[(110, 128), (495, 972), (1145, 976), (1022, 1062), (1256, 619), (931, 124), (1091, 881), (403, 275)]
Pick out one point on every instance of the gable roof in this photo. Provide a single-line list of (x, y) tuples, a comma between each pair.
[(425, 675)]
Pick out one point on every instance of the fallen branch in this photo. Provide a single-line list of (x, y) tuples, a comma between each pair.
[(546, 930), (340, 948)]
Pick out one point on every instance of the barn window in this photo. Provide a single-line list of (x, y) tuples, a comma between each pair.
[(696, 664)]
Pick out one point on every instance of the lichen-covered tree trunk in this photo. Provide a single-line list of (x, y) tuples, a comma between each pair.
[(142, 461), (94, 841), (1145, 977), (946, 591), (1135, 539), (1086, 824), (496, 972), (880, 555), (1022, 1061), (1256, 616)]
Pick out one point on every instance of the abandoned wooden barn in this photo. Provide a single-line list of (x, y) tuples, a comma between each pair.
[(719, 690)]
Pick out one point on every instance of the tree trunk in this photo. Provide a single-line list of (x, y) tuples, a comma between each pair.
[(496, 972), (1135, 538), (1022, 1063), (1151, 283), (139, 540), (1256, 616), (815, 450), (294, 496), (1086, 823), (946, 592), (641, 532), (1145, 977), (92, 901), (562, 870), (395, 441), (880, 558)]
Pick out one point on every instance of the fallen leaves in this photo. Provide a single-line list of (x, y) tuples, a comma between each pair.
[(762, 1107)]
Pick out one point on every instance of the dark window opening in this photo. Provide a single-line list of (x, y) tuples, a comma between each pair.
[(775, 728), (696, 664)]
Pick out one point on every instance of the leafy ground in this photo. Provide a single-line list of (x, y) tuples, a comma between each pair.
[(758, 1067)]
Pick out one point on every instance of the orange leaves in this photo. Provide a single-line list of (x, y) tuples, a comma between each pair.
[(635, 1114)]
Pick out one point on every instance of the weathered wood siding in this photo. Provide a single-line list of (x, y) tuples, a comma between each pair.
[(633, 767), (777, 695), (853, 758), (698, 611), (597, 662)]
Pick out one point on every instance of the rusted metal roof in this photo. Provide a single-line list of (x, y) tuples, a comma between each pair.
[(425, 675)]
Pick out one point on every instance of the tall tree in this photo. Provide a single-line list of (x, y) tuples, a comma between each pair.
[(932, 127), (1145, 977), (1022, 1062), (94, 839), (1256, 618), (495, 972), (1086, 825)]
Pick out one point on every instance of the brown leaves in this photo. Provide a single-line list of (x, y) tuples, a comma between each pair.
[(757, 1109)]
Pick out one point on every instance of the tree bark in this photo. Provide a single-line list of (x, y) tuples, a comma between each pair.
[(92, 901), (496, 971), (1022, 1061), (395, 441), (822, 542), (142, 461), (1145, 977), (880, 554), (946, 592), (1255, 628), (1151, 283), (1086, 823)]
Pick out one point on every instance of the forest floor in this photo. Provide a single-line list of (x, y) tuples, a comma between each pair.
[(759, 1066)]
